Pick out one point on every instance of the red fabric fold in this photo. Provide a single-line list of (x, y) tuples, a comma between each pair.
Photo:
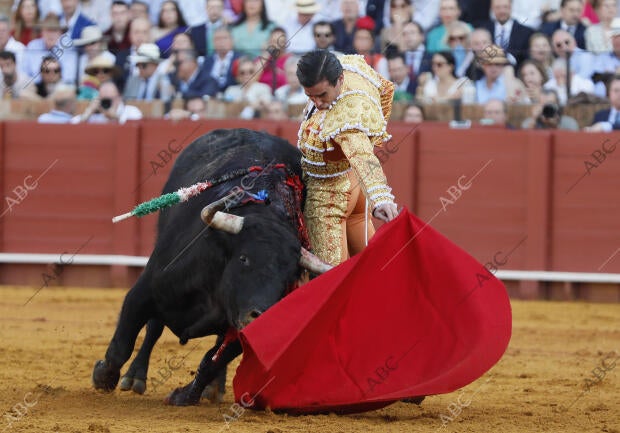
[(411, 315)]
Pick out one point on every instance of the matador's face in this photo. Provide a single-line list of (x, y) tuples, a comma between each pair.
[(322, 94)]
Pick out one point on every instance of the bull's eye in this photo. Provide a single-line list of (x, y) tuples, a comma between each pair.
[(244, 259)]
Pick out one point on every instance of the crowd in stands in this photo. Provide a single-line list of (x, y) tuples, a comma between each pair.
[(544, 54)]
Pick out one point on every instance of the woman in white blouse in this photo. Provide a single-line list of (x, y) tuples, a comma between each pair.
[(443, 85), (598, 36)]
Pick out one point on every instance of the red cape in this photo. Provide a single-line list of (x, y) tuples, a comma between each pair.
[(411, 315)]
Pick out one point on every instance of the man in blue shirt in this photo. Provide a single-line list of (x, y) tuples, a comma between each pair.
[(64, 105), (492, 85)]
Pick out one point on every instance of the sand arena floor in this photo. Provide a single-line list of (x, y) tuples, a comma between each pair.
[(561, 373)]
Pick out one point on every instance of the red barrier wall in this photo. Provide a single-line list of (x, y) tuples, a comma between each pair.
[(537, 200)]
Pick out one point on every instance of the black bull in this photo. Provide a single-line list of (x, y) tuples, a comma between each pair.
[(206, 279)]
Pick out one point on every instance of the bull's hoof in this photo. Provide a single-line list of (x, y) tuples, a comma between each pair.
[(136, 385), (182, 397), (213, 394), (105, 377)]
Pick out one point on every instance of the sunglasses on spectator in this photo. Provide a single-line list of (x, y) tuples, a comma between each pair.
[(439, 64), (51, 70), (322, 35), (141, 65), (246, 71), (96, 71), (453, 38), (398, 6), (565, 43)]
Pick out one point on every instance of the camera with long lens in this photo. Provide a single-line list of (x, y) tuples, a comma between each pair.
[(549, 111), (106, 103)]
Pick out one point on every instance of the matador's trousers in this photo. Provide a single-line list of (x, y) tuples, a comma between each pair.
[(335, 215)]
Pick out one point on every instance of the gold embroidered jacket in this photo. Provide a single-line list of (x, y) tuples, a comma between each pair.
[(341, 138)]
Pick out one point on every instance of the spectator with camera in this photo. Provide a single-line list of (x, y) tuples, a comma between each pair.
[(548, 114), (150, 83), (109, 107)]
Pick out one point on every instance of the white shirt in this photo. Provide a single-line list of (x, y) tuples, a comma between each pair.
[(507, 26), (220, 68), (300, 37), (16, 48), (577, 85), (123, 112), (426, 12)]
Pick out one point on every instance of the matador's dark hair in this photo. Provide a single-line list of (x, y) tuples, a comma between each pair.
[(318, 65)]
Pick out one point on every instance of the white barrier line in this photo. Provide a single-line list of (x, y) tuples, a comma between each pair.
[(78, 259), (106, 259)]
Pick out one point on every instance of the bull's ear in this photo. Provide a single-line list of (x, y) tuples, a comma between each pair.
[(313, 263), (226, 222)]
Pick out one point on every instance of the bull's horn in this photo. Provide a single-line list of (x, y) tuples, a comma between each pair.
[(313, 263), (226, 222)]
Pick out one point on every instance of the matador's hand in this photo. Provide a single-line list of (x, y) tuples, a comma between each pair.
[(385, 212)]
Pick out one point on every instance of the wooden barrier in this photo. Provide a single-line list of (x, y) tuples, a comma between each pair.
[(524, 200), (23, 109)]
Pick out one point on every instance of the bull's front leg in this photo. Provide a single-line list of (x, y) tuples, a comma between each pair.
[(207, 371), (135, 378), (134, 315)]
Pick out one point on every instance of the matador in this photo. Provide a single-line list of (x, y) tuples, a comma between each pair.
[(346, 117)]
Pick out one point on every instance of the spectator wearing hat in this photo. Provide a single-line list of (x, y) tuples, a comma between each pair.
[(64, 101), (219, 64), (8, 43), (92, 44), (570, 21), (25, 20), (498, 81), (73, 19), (118, 34), (364, 44), (51, 72), (14, 84), (345, 26), (150, 83), (55, 42), (109, 107), (202, 34), (99, 70), (300, 25), (139, 33)]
